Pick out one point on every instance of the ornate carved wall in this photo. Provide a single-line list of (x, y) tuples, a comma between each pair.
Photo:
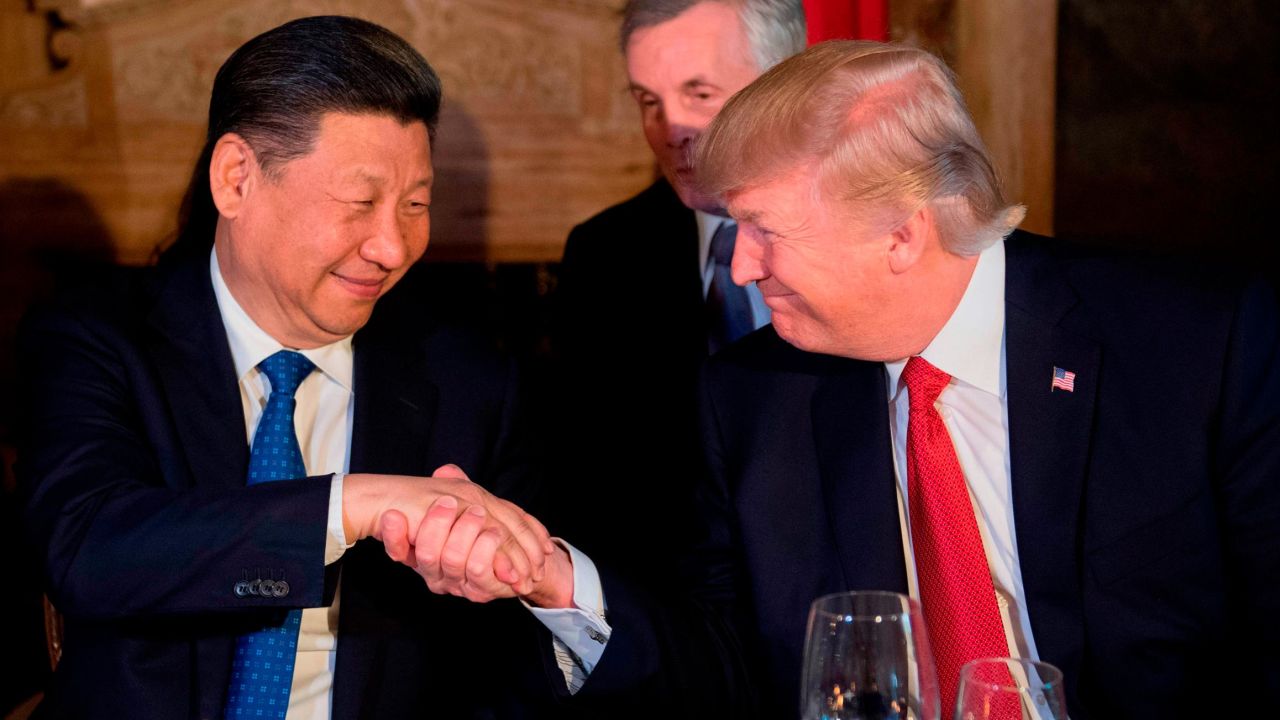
[(102, 106)]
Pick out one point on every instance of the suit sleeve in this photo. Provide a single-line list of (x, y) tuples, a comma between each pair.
[(679, 646), (119, 538), (1248, 474)]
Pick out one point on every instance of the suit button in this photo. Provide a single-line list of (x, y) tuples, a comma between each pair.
[(242, 588), (281, 589)]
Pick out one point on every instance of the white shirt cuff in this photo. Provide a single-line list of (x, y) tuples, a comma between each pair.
[(582, 628), (335, 542)]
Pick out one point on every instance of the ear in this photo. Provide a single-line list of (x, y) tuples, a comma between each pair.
[(908, 242), (232, 172)]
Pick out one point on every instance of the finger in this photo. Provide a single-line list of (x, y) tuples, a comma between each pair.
[(451, 471), (432, 533), (516, 563), (549, 545), (457, 548), (504, 569), (480, 568), (393, 531), (534, 544)]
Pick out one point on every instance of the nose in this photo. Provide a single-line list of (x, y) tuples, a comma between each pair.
[(682, 126), (387, 244), (748, 256), (679, 135)]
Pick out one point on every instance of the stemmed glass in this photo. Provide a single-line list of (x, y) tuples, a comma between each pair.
[(867, 656), (1010, 689)]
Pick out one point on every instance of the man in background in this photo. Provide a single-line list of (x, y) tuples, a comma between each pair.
[(644, 293), (214, 445)]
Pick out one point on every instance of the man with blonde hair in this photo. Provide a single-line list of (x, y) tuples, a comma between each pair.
[(1065, 457)]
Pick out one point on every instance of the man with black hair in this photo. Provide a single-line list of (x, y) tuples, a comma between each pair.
[(212, 441)]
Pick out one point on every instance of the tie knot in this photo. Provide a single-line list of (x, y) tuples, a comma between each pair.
[(924, 382), (722, 243), (286, 370)]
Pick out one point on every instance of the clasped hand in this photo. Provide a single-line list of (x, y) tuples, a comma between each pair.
[(460, 538)]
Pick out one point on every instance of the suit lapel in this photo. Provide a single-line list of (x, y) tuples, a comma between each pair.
[(395, 406), (677, 231), (851, 433), (1049, 434), (192, 357)]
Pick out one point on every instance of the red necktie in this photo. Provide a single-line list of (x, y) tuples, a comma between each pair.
[(956, 592)]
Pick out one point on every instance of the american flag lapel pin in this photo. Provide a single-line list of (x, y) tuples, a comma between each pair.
[(1063, 380)]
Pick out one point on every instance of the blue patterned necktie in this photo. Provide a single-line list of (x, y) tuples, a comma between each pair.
[(728, 309), (262, 670)]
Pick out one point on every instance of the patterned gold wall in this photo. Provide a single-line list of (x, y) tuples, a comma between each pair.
[(103, 102)]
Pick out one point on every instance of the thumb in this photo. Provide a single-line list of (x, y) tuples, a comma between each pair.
[(451, 471), (393, 531)]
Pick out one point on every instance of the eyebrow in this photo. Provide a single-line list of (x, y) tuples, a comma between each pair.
[(364, 175), (696, 82), (686, 85)]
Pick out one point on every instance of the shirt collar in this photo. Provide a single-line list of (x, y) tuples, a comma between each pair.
[(251, 344), (968, 347)]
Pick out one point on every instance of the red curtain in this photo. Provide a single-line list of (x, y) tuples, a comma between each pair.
[(847, 19)]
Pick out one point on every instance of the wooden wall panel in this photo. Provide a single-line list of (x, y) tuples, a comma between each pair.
[(1004, 53), (105, 100)]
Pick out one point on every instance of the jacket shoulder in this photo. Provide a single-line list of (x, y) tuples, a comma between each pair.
[(657, 203)]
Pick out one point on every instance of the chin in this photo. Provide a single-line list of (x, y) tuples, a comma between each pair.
[(340, 325), (788, 332)]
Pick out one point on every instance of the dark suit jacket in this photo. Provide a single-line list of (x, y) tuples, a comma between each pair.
[(630, 335), (134, 466), (1146, 502)]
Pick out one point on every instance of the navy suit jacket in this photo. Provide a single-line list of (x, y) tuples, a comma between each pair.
[(1146, 502), (630, 334), (133, 469)]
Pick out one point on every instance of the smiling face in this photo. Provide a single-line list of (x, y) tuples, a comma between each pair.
[(869, 286), (682, 71), (308, 251), (825, 282)]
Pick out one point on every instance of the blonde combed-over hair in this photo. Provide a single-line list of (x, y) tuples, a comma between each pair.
[(886, 129)]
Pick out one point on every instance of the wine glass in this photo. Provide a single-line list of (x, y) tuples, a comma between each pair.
[(1010, 689), (867, 656)]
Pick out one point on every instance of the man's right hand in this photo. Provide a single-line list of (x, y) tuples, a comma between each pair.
[(391, 508)]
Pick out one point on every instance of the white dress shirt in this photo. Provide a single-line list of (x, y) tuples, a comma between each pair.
[(322, 420), (975, 408), (708, 224)]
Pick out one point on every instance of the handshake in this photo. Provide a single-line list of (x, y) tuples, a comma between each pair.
[(460, 538)]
